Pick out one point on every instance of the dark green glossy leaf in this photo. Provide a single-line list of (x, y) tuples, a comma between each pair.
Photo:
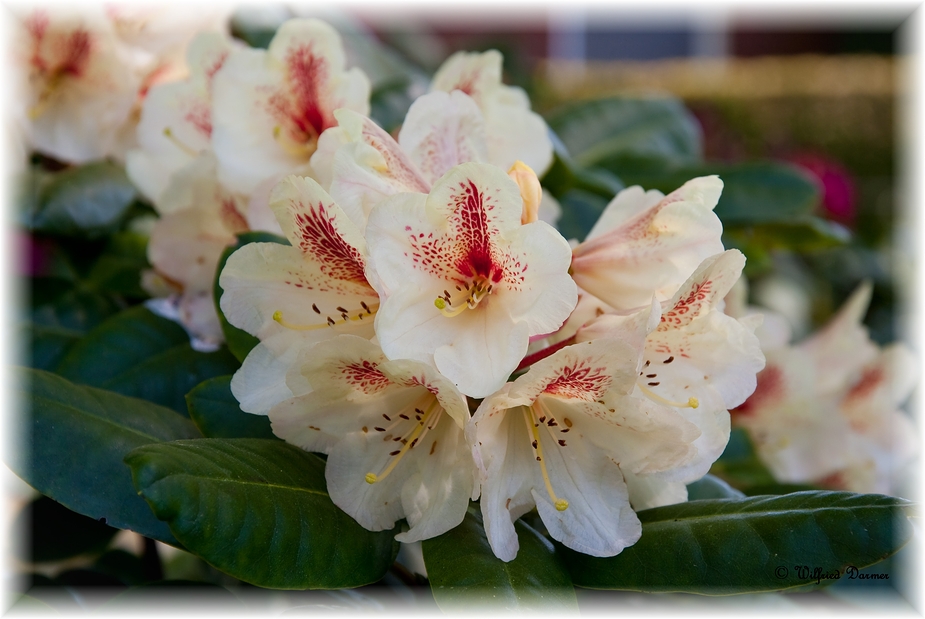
[(710, 487), (90, 200), (564, 175), (139, 354), (258, 510), (239, 342), (118, 269), (760, 489), (58, 533), (59, 303), (45, 346), (725, 546), (753, 193), (464, 573), (607, 129), (79, 436), (803, 234), (216, 412), (580, 210)]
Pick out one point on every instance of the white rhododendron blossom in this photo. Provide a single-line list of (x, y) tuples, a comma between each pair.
[(291, 296), (270, 106), (647, 242), (563, 437), (176, 119), (87, 73), (697, 359), (394, 434), (825, 410), (199, 220), (81, 82), (463, 284), (513, 131)]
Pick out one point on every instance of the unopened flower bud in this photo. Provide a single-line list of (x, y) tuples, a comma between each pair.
[(530, 190)]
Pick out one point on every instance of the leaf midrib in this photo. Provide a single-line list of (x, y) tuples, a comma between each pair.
[(69, 407), (238, 482)]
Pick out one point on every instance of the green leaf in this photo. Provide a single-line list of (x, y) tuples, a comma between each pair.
[(216, 412), (463, 571), (138, 354), (753, 193), (711, 487), (564, 174), (239, 342), (90, 200), (580, 211), (45, 346), (79, 436), (724, 546), (258, 510), (118, 269), (58, 533), (58, 303), (605, 130)]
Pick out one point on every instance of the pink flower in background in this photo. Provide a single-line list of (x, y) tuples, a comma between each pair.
[(839, 195)]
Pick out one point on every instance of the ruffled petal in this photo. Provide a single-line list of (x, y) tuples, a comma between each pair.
[(442, 131)]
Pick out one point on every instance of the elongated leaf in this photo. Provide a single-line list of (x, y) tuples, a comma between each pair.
[(753, 193), (606, 129), (216, 412), (724, 546), (79, 436), (580, 211), (739, 464), (45, 346), (89, 200), (464, 572), (139, 354), (119, 266), (239, 342), (58, 303), (258, 510)]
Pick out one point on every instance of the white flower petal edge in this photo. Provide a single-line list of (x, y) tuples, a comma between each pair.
[(514, 132), (463, 284), (645, 241), (560, 437), (271, 106), (317, 283), (826, 410), (697, 360), (176, 118), (394, 434)]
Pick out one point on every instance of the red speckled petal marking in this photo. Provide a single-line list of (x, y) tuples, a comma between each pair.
[(399, 167), (62, 54), (688, 307), (319, 240), (365, 377), (580, 381), (469, 249), (870, 380), (298, 105)]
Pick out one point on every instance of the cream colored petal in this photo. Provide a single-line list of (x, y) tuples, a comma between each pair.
[(441, 131)]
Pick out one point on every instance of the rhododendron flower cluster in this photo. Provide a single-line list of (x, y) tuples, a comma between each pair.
[(84, 73), (825, 410), (416, 278)]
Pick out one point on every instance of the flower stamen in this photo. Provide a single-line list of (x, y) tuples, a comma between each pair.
[(692, 402), (474, 295), (168, 133), (561, 504), (345, 317), (409, 441)]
